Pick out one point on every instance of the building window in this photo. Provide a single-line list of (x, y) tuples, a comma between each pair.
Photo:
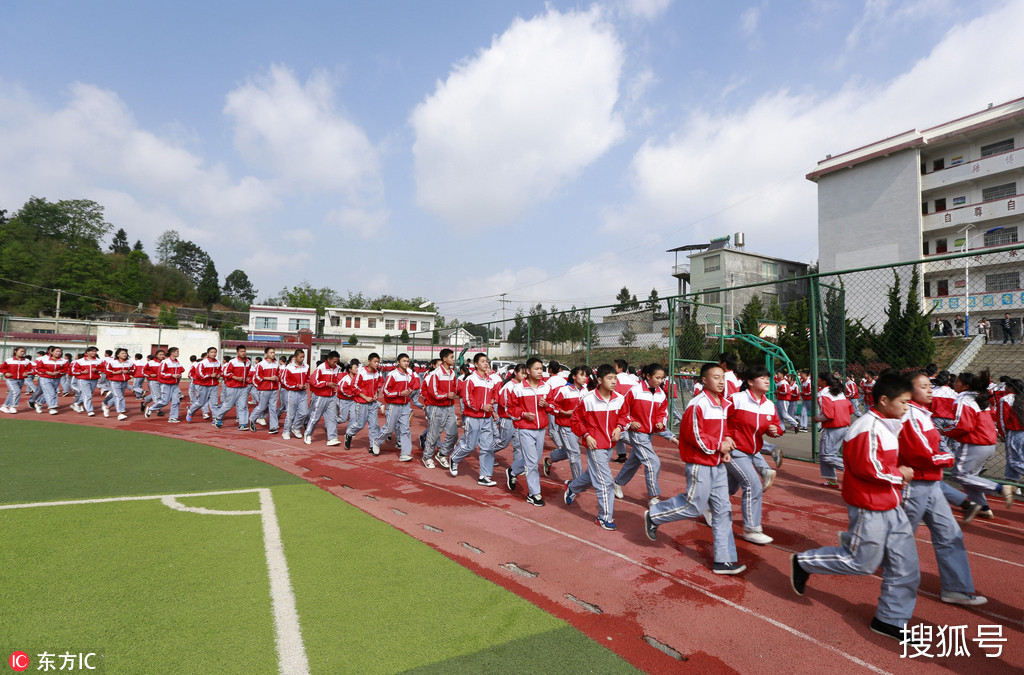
[(769, 270), (335, 321), (926, 242), (266, 323), (1007, 235), (769, 299), (43, 331), (943, 285), (924, 208), (714, 298), (412, 326), (371, 323), (712, 263), (298, 324), (939, 164), (940, 204), (940, 246), (348, 322), (357, 323), (1003, 281), (389, 324), (425, 326), (999, 192), (996, 148), (927, 289)]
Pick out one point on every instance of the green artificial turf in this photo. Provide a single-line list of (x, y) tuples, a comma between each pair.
[(50, 461)]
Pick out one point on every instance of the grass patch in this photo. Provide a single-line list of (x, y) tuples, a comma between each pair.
[(50, 461)]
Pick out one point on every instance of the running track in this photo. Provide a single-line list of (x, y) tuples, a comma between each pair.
[(627, 592)]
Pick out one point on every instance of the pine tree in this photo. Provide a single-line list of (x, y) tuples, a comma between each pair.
[(209, 286), (919, 347), (119, 244), (750, 323), (622, 300), (691, 342), (628, 336), (795, 338), (888, 343)]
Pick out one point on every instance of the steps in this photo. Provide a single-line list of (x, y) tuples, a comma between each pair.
[(999, 359)]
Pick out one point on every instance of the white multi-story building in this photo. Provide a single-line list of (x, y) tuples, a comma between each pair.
[(371, 326), (953, 187), (270, 321)]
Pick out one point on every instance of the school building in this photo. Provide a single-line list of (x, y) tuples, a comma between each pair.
[(946, 189)]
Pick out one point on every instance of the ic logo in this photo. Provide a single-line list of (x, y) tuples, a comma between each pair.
[(19, 661)]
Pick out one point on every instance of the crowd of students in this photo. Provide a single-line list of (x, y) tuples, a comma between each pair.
[(890, 436)]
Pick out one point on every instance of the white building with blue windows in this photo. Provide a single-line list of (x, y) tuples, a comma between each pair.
[(266, 321)]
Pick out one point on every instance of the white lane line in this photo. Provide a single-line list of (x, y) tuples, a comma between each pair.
[(173, 503), (655, 570), (105, 500)]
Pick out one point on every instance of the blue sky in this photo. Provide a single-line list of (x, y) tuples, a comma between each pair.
[(458, 150)]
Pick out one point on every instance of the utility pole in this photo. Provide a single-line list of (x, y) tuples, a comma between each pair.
[(56, 321), (503, 302)]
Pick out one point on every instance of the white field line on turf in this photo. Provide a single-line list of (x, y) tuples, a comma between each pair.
[(291, 651), (655, 570)]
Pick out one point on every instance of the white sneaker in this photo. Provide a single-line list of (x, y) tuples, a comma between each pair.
[(76, 408), (963, 599), (121, 417), (405, 458), (1009, 493), (618, 490), (12, 410), (93, 414), (755, 537), (4, 409), (53, 411), (262, 422), (334, 441), (286, 436), (39, 408), (769, 478), (652, 501), (308, 440), (106, 411), (374, 448)]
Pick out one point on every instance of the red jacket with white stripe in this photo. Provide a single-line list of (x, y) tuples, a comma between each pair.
[(919, 444), (368, 384), (943, 402), (17, 369), (598, 418), (394, 384), (1007, 419), (526, 399), (206, 372), (851, 390), (806, 391), (440, 382), (139, 367), (170, 371), (646, 407), (86, 369), (52, 369), (295, 377), (837, 409), (347, 386), (236, 368), (732, 383), (782, 388), (321, 377), (702, 430), (479, 392), (871, 451), (972, 424), (264, 369), (118, 371), (749, 419), (151, 370), (624, 382), (565, 400)]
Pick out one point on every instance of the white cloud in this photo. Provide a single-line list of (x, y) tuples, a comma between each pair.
[(744, 170), (645, 9), (749, 20), (361, 222), (520, 119), (880, 17)]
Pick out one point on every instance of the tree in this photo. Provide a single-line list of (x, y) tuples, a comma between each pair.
[(304, 295), (238, 287), (691, 342), (120, 242), (653, 303), (138, 246), (131, 279), (192, 260), (628, 336), (435, 337), (887, 344), (404, 338), (167, 246), (750, 323), (208, 288), (387, 338), (920, 347), (623, 300), (168, 316), (67, 220), (353, 340), (795, 338)]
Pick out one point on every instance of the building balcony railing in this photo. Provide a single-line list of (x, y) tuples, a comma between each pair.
[(975, 213), (681, 270), (995, 302), (979, 168)]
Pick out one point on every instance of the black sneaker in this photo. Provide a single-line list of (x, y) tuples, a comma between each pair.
[(423, 439), (970, 511), (535, 500), (798, 576), (160, 413), (510, 480), (348, 442), (887, 629), (569, 497), (650, 527), (486, 481), (547, 466), (620, 459), (142, 407), (252, 426), (272, 432), (728, 568)]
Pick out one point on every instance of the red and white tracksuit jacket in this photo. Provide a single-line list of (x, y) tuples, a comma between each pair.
[(139, 367), (851, 390), (347, 389), (478, 392), (50, 368), (206, 372), (919, 444), (321, 377), (170, 371), (85, 369), (264, 369), (503, 399), (295, 377), (440, 383), (748, 421), (972, 424), (236, 368), (566, 400), (151, 370), (624, 382), (943, 403), (1006, 419), (703, 427), (367, 384), (394, 384), (599, 418), (646, 407), (806, 392), (870, 459), (836, 408), (732, 383), (526, 399), (17, 369), (118, 371)]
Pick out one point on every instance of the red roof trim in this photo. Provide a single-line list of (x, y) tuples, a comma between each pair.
[(814, 175)]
